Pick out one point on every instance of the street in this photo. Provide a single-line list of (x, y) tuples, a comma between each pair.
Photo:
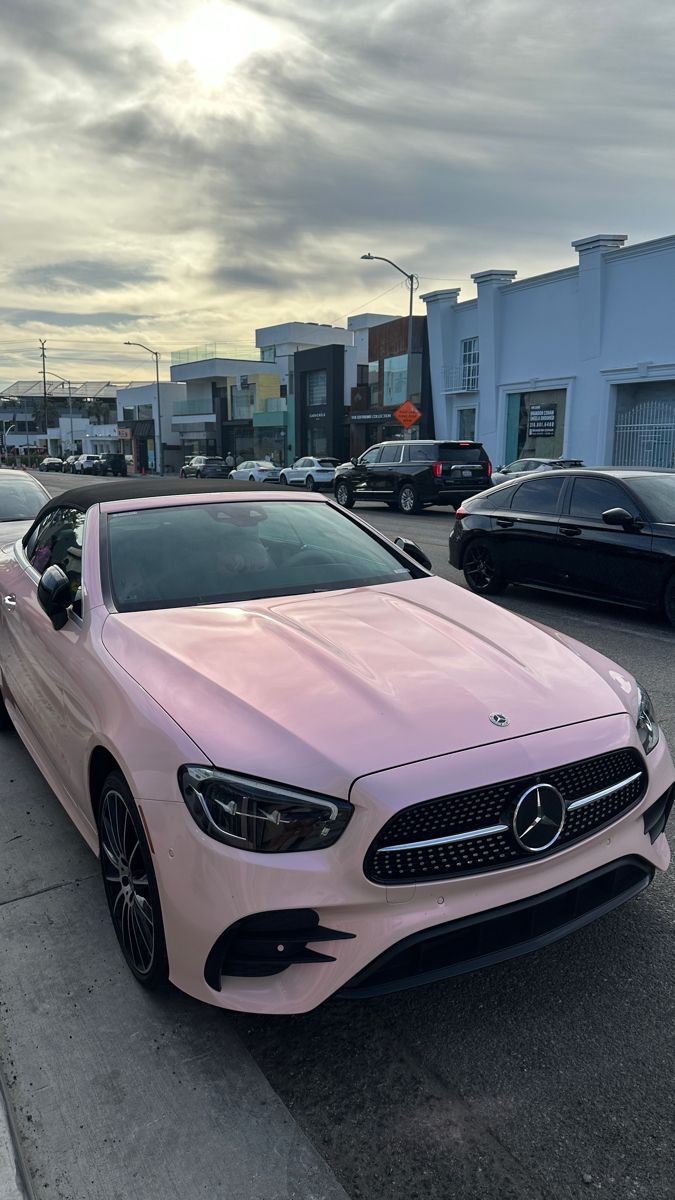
[(546, 1078)]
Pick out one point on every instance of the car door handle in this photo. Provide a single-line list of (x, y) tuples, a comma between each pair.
[(505, 522), (9, 601), (571, 530)]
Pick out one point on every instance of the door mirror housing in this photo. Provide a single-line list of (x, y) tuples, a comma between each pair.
[(55, 596), (354, 460), (621, 516), (414, 551)]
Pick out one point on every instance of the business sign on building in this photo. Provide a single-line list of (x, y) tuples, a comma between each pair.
[(541, 421)]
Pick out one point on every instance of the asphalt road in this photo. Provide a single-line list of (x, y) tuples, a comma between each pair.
[(547, 1077)]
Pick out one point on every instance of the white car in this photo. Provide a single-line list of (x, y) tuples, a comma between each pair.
[(256, 469), (526, 466), (21, 498), (311, 473), (84, 465)]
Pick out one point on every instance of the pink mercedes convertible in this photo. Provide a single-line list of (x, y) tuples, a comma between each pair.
[(308, 766)]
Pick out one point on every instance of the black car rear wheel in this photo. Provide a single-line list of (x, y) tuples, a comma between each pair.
[(408, 500), (480, 569), (344, 495), (130, 883), (669, 600)]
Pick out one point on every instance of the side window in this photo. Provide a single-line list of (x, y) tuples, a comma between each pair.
[(391, 454), (538, 495), (57, 541), (372, 455), (418, 453), (592, 497)]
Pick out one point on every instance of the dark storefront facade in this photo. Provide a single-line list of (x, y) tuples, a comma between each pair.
[(320, 427), (383, 386)]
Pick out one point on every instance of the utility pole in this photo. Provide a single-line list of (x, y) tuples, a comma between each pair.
[(43, 343)]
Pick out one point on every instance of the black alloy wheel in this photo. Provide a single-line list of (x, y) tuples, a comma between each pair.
[(408, 500), (309, 484), (130, 883), (669, 600), (343, 495), (283, 480), (480, 569)]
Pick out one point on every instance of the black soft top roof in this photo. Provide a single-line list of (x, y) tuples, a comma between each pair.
[(140, 489)]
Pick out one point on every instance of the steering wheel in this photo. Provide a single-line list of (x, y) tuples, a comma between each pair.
[(309, 554)]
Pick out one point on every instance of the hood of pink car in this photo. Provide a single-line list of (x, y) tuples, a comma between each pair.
[(318, 690)]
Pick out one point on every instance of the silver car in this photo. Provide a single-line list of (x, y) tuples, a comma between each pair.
[(526, 466), (256, 469)]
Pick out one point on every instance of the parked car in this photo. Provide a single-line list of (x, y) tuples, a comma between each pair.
[(115, 464), (412, 475), (69, 462), (311, 473), (253, 841), (203, 466), (51, 463), (607, 534), (256, 469), (21, 498), (525, 466), (84, 464)]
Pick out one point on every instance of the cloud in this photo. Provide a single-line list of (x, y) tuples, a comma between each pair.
[(448, 136)]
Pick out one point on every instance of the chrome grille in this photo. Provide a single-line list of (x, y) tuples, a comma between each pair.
[(472, 830)]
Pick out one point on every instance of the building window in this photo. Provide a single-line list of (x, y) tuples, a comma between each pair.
[(128, 414), (268, 354), (470, 364), (317, 388), (374, 383), (242, 403), (395, 380), (466, 424)]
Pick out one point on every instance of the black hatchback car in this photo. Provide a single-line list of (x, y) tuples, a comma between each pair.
[(116, 464), (412, 475), (604, 534)]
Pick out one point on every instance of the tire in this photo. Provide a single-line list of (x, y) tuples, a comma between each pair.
[(284, 481), (251, 478), (669, 600), (408, 500), (480, 570), (344, 495), (133, 899), (310, 484)]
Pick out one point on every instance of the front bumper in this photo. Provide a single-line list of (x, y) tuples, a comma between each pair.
[(206, 887)]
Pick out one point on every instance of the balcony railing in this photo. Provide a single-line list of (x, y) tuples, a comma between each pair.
[(193, 408), (215, 350), (460, 379)]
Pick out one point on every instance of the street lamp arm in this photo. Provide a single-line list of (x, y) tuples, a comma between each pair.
[(379, 258), (143, 347)]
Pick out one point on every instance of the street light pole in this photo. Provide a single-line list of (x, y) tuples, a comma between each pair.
[(70, 405), (159, 458), (412, 281), (4, 436)]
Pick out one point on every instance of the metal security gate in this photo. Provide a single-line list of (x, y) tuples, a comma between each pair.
[(645, 435)]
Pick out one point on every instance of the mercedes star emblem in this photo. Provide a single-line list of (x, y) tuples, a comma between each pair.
[(499, 719), (539, 818)]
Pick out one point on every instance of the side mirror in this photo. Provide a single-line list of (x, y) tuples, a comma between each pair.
[(55, 596), (501, 469), (620, 516), (354, 461), (414, 551)]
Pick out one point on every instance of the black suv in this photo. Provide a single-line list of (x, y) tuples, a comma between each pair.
[(115, 463), (412, 475)]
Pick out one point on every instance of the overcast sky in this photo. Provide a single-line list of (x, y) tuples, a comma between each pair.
[(182, 172)]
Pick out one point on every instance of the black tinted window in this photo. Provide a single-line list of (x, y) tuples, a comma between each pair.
[(391, 454), (372, 455), (658, 493), (591, 497), (538, 495), (57, 541)]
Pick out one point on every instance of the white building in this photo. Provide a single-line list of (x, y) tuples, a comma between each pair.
[(140, 428), (578, 362)]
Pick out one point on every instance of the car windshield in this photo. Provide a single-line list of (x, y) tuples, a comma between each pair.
[(657, 492), (20, 499), (219, 552)]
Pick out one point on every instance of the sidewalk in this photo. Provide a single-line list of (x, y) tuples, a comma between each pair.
[(119, 1094)]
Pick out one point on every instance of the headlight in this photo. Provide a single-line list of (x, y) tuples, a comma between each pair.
[(648, 730), (254, 815)]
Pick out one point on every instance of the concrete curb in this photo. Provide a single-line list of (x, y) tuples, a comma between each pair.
[(15, 1181)]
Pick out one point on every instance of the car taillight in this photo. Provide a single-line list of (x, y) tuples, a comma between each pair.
[(489, 469), (459, 513), (438, 469)]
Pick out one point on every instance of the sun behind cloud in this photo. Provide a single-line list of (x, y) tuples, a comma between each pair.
[(216, 38)]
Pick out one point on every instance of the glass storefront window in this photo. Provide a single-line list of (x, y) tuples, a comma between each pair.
[(535, 426), (374, 383), (395, 380), (466, 424), (317, 388)]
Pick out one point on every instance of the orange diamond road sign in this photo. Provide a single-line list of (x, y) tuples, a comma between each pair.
[(407, 414)]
